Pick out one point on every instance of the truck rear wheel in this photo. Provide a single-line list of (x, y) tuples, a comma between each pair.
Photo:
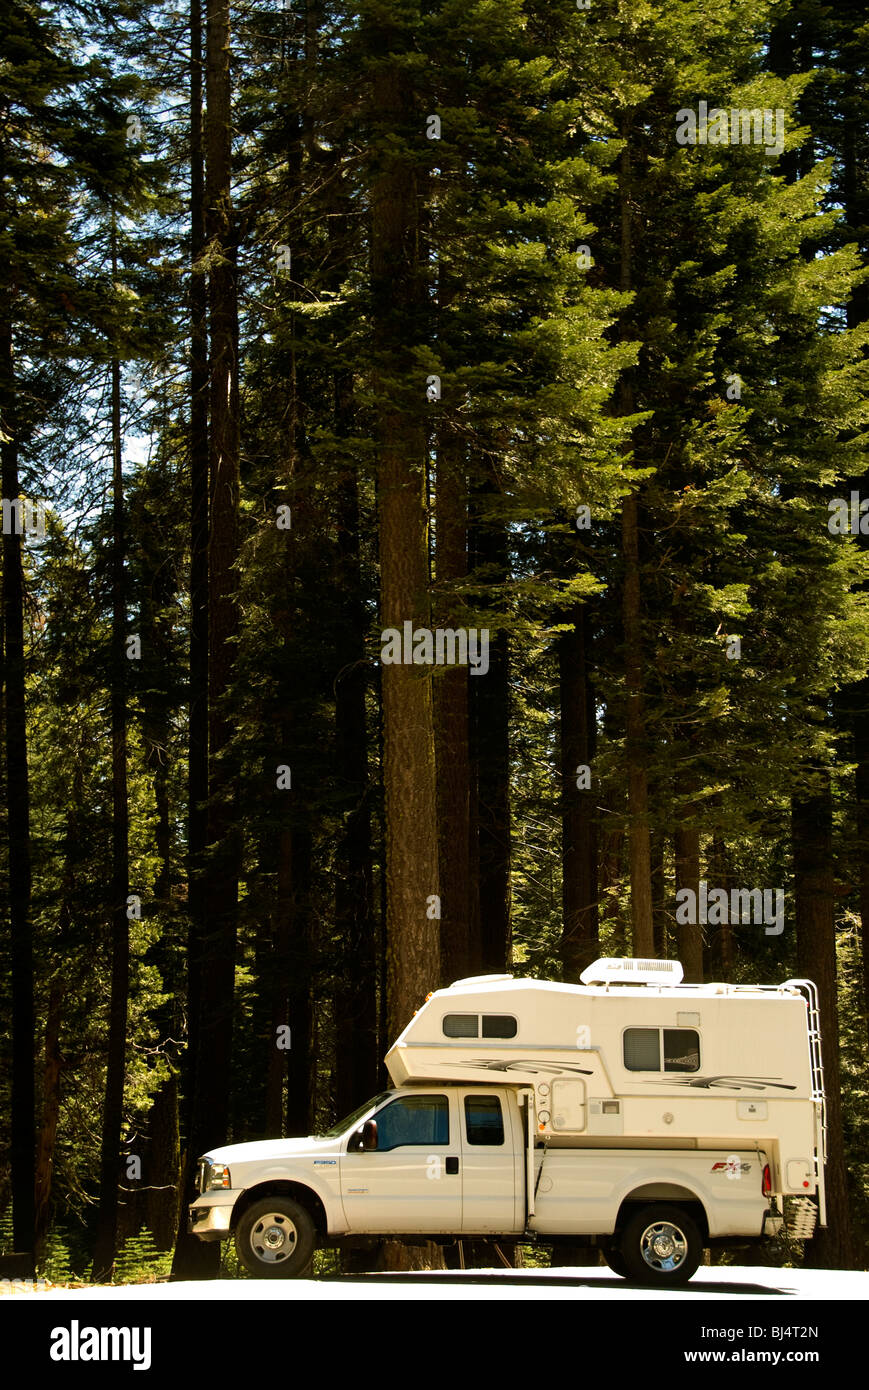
[(660, 1245), (275, 1238)]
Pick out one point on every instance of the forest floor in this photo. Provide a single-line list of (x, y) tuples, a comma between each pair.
[(733, 1282)]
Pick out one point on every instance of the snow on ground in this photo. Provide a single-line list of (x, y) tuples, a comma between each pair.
[(720, 1283)]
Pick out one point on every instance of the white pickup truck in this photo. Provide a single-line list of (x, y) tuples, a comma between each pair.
[(450, 1161)]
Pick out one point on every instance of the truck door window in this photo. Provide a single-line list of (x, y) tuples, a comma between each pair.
[(484, 1123), (413, 1120)]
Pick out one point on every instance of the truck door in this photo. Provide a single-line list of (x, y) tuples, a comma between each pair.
[(412, 1181), (491, 1163)]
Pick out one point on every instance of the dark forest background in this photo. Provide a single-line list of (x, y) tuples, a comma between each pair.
[(317, 318)]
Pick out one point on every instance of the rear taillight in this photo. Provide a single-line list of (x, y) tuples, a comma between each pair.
[(767, 1180)]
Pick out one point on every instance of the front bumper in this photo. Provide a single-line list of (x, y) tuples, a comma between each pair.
[(210, 1216)]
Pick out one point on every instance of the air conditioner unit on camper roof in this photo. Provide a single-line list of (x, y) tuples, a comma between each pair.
[(628, 971)]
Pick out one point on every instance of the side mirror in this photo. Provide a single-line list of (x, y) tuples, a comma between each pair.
[(369, 1134)]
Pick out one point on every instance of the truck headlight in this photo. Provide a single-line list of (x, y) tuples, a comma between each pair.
[(213, 1175)]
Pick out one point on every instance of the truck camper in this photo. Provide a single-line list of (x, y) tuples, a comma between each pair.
[(631, 1112)]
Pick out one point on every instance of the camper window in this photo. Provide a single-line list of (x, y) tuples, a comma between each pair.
[(468, 1026), (483, 1120), (681, 1049), (499, 1026), (462, 1026), (644, 1048)]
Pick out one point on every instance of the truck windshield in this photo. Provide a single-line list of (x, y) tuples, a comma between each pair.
[(350, 1120)]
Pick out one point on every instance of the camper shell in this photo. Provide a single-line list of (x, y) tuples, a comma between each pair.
[(634, 1058)]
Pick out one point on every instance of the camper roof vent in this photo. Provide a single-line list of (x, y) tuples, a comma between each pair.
[(480, 980), (632, 972)]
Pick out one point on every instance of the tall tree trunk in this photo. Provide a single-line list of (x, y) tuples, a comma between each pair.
[(490, 703), (51, 1074), (659, 895), (192, 1256), (279, 973), (221, 886), (116, 1066), (356, 1033), (721, 944), (299, 986), (639, 845), (292, 975), (412, 928), (211, 1097), (160, 1166), (812, 830), (23, 1151), (399, 317), (689, 935), (612, 839), (459, 957), (579, 933)]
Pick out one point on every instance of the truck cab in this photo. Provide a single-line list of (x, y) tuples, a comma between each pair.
[(424, 1160)]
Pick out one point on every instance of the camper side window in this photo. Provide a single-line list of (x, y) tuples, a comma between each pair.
[(468, 1026), (499, 1026), (681, 1049), (462, 1026), (645, 1047)]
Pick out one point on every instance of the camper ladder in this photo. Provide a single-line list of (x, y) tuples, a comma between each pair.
[(810, 989)]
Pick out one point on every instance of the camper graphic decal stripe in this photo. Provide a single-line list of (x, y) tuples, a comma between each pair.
[(726, 1083), (505, 1064)]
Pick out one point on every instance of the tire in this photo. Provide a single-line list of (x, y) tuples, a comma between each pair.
[(613, 1256), (660, 1245), (275, 1238)]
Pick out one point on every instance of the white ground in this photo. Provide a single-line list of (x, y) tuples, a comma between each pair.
[(721, 1283)]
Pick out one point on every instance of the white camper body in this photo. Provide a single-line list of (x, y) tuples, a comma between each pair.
[(639, 1065)]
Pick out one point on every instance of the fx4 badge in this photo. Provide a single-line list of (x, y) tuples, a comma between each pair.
[(732, 1166)]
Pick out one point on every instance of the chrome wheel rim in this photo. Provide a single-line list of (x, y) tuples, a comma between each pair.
[(273, 1238), (664, 1247)]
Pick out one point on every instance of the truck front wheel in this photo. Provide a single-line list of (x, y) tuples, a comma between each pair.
[(615, 1259), (661, 1245), (275, 1238)]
